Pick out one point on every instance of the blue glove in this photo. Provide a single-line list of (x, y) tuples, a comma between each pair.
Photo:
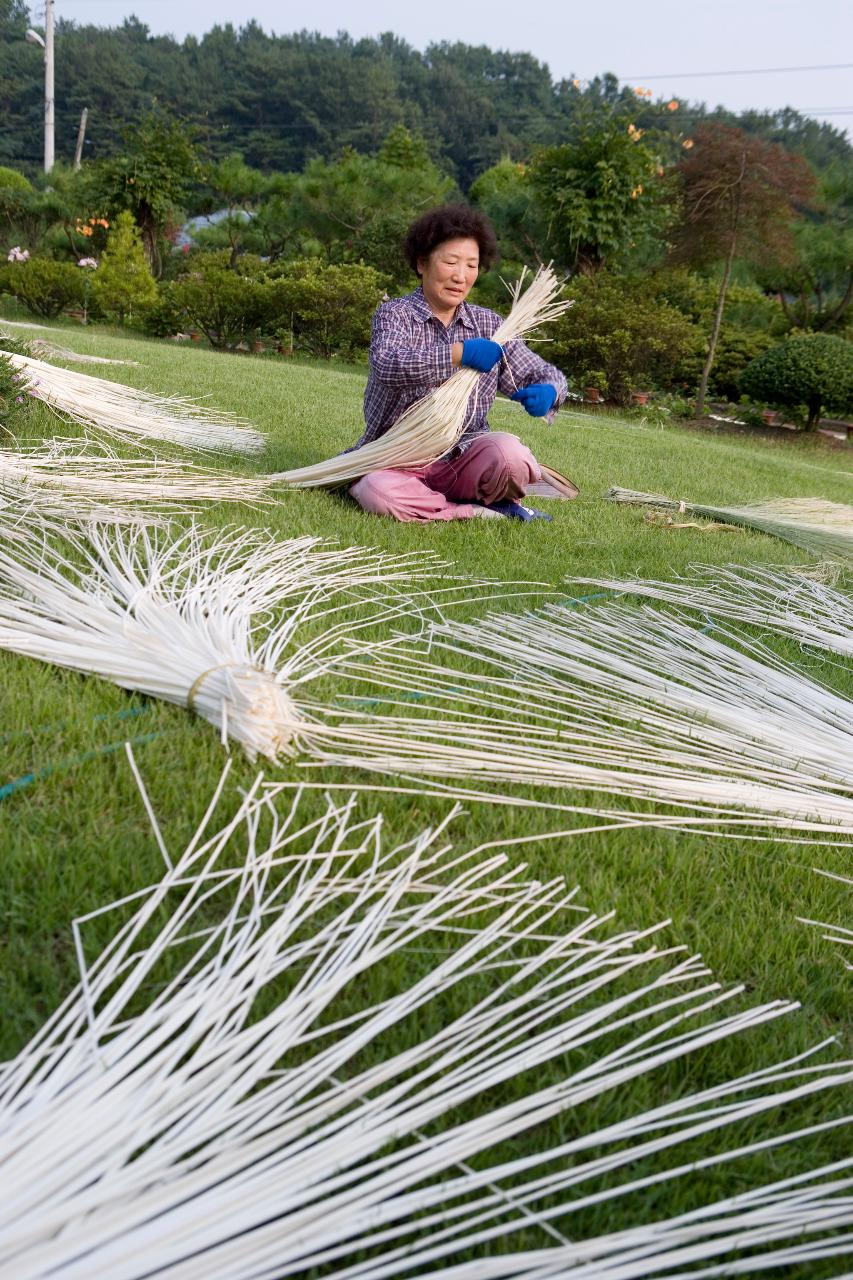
[(481, 354), (538, 399)]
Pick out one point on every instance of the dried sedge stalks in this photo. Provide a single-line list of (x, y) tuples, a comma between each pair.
[(50, 351), (292, 1047), (124, 413), (431, 427), (810, 610), (629, 702), (822, 527), (83, 480)]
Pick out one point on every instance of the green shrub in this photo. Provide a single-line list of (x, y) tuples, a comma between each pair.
[(14, 401), (45, 287), (620, 331), (812, 371), (122, 284), (323, 309), (228, 306), (735, 349), (11, 180)]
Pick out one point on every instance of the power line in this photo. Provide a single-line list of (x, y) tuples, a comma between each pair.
[(754, 71)]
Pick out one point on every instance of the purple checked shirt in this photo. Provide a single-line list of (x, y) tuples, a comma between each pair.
[(410, 356)]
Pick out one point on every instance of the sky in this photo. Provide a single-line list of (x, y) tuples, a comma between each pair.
[(670, 46)]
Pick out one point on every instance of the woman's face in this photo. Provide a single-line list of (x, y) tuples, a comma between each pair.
[(448, 274)]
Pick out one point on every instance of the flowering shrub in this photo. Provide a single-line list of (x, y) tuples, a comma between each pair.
[(17, 254)]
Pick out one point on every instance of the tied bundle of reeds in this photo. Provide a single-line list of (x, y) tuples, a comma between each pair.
[(212, 623), (822, 527), (124, 413), (292, 1048), (434, 424), (38, 347)]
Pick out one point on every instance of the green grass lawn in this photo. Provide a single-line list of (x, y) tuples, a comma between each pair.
[(76, 836)]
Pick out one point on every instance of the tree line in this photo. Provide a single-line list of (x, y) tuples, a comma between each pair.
[(281, 100)]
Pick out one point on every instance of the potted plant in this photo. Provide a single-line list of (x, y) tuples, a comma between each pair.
[(594, 385), (641, 391)]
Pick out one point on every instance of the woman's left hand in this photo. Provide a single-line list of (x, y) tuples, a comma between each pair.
[(538, 399)]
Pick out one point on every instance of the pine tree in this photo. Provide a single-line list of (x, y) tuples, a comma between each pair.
[(123, 283)]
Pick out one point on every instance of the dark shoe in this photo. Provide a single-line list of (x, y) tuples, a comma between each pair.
[(514, 510)]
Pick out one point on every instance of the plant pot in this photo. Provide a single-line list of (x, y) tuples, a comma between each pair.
[(768, 416), (592, 394), (640, 397)]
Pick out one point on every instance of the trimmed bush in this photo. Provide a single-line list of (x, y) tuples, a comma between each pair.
[(45, 287), (326, 309), (619, 330), (813, 371), (227, 306), (11, 180)]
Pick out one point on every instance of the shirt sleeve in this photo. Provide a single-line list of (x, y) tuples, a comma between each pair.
[(397, 362), (521, 367)]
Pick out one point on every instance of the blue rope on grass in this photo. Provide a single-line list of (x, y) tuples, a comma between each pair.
[(82, 757), (127, 713)]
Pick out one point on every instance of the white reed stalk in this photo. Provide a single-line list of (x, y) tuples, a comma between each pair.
[(811, 611), (103, 479), (124, 413), (217, 624), (625, 701), (433, 425), (237, 1087), (838, 935), (822, 527)]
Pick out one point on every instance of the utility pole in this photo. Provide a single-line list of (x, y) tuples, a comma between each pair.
[(81, 134), (48, 87), (33, 37)]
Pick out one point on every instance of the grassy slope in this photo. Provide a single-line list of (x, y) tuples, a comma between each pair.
[(78, 837)]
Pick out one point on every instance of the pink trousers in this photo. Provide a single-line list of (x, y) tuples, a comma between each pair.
[(496, 466)]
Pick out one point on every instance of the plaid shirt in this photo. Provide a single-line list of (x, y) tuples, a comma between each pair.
[(410, 356)]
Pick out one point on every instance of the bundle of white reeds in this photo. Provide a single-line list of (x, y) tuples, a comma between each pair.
[(432, 426), (807, 608), (292, 1047), (822, 527), (216, 624), (51, 351), (106, 481), (626, 701), (124, 413)]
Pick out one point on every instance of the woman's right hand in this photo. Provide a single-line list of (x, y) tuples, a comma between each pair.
[(481, 354)]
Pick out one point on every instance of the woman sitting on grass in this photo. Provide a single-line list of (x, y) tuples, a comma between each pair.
[(417, 342)]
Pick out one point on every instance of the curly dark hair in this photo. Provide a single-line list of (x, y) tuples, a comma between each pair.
[(450, 222)]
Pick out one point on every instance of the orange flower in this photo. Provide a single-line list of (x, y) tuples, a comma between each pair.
[(687, 144), (638, 191), (673, 105)]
